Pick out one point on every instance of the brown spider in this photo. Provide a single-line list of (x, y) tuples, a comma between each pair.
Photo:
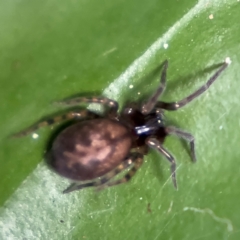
[(97, 149)]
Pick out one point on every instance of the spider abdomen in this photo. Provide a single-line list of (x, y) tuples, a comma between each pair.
[(89, 149)]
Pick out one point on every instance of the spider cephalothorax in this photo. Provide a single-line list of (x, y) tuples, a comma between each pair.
[(92, 151)]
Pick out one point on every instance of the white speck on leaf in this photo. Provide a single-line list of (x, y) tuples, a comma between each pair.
[(165, 45), (228, 60), (211, 16), (35, 135)]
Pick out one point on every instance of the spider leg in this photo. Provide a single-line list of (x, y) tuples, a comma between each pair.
[(186, 136), (103, 180), (50, 121), (137, 160), (113, 105), (78, 186), (154, 143), (176, 105), (149, 105)]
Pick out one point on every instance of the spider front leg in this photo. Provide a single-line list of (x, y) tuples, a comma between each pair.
[(135, 159), (176, 105), (150, 104), (186, 136), (111, 104), (154, 143), (50, 121)]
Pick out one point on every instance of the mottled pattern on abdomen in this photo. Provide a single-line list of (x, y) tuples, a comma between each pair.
[(90, 149)]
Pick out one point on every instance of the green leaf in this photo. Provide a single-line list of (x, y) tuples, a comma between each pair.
[(54, 49)]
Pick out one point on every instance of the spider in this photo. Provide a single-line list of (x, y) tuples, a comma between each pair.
[(93, 150)]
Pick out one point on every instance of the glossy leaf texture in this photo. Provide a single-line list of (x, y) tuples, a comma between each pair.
[(52, 49)]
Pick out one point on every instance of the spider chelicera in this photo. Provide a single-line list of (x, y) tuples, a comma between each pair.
[(92, 151)]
